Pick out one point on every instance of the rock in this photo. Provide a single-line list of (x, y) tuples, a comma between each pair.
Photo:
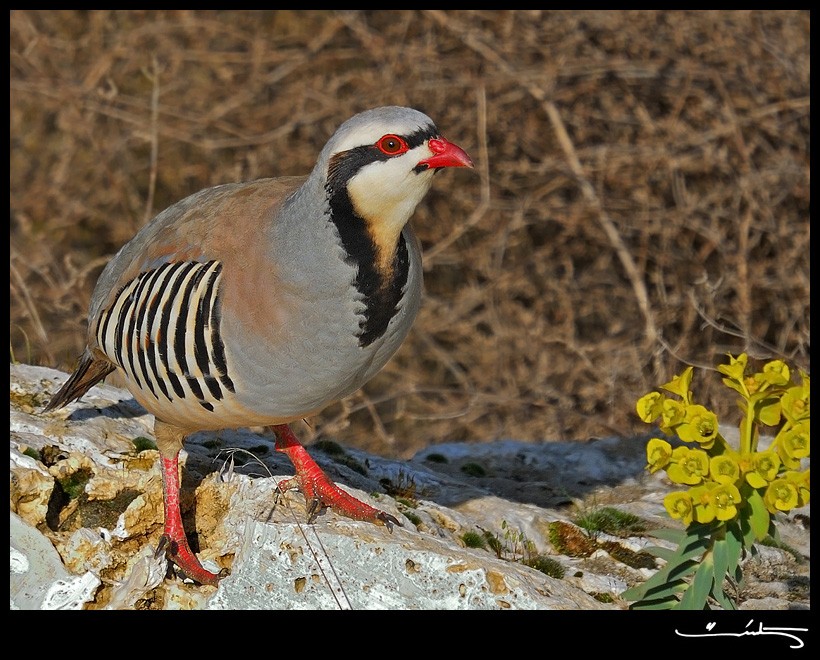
[(485, 526), (37, 577)]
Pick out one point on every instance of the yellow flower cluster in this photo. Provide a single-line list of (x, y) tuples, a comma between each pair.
[(720, 477)]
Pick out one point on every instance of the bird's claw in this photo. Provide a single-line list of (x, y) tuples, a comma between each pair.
[(186, 562), (165, 547), (314, 507), (388, 520), (315, 504), (223, 573), (319, 491)]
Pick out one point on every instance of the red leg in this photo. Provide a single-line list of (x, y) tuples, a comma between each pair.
[(318, 489), (174, 542)]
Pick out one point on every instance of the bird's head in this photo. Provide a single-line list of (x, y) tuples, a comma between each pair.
[(379, 165)]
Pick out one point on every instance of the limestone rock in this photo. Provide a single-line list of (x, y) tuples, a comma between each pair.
[(479, 520)]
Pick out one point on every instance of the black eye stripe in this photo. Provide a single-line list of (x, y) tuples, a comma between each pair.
[(416, 139), (412, 141)]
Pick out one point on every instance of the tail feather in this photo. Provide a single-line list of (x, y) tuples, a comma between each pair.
[(89, 372)]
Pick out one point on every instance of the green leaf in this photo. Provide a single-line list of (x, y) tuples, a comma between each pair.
[(695, 596), (673, 587), (720, 554), (720, 596), (739, 576), (748, 532), (672, 535), (760, 515), (693, 546), (723, 551), (680, 563), (666, 554), (769, 412), (734, 547), (737, 387), (691, 542), (662, 581), (663, 591), (634, 593), (661, 604), (679, 571), (639, 591)]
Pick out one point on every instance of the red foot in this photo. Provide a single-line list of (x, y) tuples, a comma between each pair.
[(319, 491), (174, 543)]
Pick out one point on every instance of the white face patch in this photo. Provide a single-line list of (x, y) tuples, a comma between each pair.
[(385, 193)]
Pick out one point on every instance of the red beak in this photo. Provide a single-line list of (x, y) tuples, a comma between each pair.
[(446, 154)]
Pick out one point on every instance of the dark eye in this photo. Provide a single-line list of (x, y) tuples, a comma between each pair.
[(392, 145)]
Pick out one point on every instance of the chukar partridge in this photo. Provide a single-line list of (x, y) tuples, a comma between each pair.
[(260, 303)]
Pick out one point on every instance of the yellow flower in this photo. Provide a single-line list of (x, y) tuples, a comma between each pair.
[(724, 469), (796, 402), (801, 481), (672, 413), (679, 505), (688, 466), (776, 372), (649, 406), (658, 454), (715, 501), (761, 468), (734, 372), (699, 425), (781, 495), (725, 498), (735, 368), (680, 384), (752, 383), (705, 511), (793, 444)]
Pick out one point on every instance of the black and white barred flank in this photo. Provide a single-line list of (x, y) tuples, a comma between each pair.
[(163, 331)]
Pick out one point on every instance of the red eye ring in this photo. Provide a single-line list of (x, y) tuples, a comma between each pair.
[(392, 145)]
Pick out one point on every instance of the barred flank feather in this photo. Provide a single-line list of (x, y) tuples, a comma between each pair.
[(162, 329)]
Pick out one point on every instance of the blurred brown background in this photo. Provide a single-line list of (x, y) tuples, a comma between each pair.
[(640, 202)]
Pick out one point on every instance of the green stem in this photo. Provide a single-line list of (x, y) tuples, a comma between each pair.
[(746, 430)]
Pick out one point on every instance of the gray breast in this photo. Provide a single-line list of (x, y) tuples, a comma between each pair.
[(318, 355)]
